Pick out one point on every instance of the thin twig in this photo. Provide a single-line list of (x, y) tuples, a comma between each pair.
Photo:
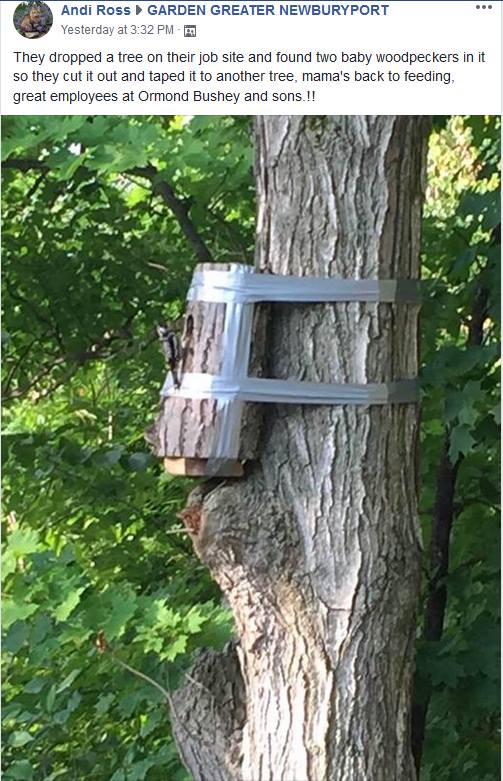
[(138, 674)]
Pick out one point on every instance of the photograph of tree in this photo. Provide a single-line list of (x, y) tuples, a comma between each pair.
[(332, 614)]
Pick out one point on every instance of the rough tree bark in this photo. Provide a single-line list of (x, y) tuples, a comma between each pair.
[(317, 549)]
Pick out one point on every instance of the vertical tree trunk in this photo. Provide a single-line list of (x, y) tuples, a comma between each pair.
[(318, 549)]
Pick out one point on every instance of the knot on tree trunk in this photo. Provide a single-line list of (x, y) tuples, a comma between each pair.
[(244, 525)]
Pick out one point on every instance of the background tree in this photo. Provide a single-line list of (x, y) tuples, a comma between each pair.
[(459, 633), (91, 537)]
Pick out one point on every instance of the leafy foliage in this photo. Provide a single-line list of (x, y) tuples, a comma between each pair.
[(460, 332), (94, 258), (104, 218)]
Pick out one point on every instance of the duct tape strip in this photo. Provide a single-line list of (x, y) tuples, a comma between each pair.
[(240, 288), (236, 346), (232, 392), (236, 286), (258, 389)]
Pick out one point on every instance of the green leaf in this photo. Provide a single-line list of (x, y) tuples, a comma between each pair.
[(16, 637), (460, 405), (138, 771), (179, 646), (118, 776), (150, 723), (139, 461), (22, 770), (123, 608), (50, 698), (104, 703), (15, 611), (19, 739), (9, 562), (462, 442), (61, 717), (66, 682), (23, 541), (130, 703), (112, 457), (35, 685), (63, 611), (194, 620)]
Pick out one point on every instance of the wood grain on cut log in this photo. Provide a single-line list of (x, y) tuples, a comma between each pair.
[(185, 429), (318, 549)]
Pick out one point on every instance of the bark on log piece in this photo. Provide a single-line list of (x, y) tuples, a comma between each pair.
[(318, 548), (185, 429)]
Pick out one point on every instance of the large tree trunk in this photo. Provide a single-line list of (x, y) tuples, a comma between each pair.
[(317, 549)]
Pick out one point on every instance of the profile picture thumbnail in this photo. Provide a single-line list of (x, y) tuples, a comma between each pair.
[(32, 19)]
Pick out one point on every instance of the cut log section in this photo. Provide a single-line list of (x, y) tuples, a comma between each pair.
[(197, 467), (185, 429)]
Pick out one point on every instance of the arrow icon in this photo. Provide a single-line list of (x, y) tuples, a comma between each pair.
[(138, 9)]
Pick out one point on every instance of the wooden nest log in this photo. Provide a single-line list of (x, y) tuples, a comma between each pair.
[(184, 432)]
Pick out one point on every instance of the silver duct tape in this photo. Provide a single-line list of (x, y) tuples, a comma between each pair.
[(230, 389), (236, 346), (234, 286), (240, 288)]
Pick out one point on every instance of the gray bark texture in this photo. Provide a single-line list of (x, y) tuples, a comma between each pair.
[(317, 549)]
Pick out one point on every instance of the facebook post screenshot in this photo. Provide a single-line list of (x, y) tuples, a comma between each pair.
[(251, 392)]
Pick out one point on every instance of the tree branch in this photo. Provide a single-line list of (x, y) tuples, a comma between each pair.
[(180, 207), (17, 363), (21, 164), (207, 713), (99, 350), (18, 393), (17, 296)]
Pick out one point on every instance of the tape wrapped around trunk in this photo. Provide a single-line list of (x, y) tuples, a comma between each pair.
[(240, 289)]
